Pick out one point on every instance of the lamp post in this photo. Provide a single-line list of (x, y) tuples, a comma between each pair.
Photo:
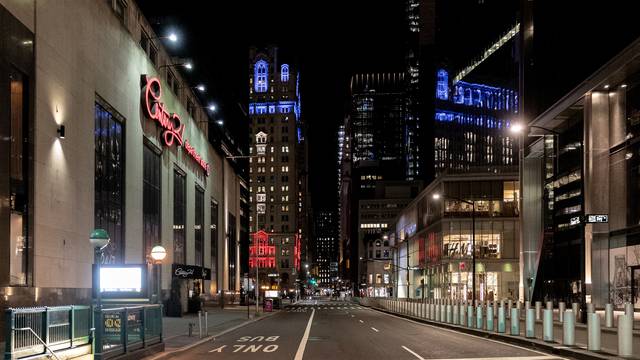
[(437, 196), (158, 253), (99, 239)]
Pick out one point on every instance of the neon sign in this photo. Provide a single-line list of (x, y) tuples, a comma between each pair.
[(170, 122)]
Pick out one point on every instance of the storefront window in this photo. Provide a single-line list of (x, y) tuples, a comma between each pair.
[(197, 226), (232, 246), (150, 198), (179, 217), (213, 228), (18, 154), (109, 179)]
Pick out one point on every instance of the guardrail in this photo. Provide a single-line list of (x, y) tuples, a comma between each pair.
[(125, 329), (34, 331), (522, 320)]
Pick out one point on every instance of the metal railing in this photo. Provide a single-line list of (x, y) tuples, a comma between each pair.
[(125, 329), (33, 331)]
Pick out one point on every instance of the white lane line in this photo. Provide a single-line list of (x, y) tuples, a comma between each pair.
[(546, 356), (412, 352), (500, 358), (305, 337), (361, 321), (374, 329), (353, 315)]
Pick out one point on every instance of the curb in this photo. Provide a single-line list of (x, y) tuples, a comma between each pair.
[(551, 348), (163, 355)]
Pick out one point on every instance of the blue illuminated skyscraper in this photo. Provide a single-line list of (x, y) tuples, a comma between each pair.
[(471, 122), (278, 167)]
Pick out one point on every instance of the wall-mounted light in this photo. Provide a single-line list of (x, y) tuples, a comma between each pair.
[(61, 131)]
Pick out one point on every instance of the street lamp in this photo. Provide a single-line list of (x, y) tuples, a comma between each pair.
[(99, 239), (437, 196), (187, 65), (158, 253)]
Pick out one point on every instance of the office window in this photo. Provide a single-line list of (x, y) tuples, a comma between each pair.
[(120, 9), (109, 179), (197, 226), (179, 217), (150, 199)]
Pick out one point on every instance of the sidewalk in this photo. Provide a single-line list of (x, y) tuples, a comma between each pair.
[(176, 330)]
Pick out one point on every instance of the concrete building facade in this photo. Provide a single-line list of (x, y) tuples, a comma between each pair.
[(91, 99)]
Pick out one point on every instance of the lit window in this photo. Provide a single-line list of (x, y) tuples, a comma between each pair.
[(260, 74), (284, 72)]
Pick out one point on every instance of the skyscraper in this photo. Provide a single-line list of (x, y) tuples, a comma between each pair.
[(277, 168), (326, 246)]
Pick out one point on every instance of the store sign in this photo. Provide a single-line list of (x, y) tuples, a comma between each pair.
[(574, 220), (190, 272), (600, 218), (173, 127)]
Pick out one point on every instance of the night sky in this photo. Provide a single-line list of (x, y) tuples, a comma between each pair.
[(331, 40)]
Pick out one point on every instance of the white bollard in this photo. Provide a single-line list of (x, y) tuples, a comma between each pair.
[(438, 314), (530, 323), (561, 309), (470, 315), (443, 312), (515, 322), (456, 313), (463, 314), (569, 328), (550, 305), (576, 309), (509, 307), (538, 310), (449, 313), (625, 335), (593, 328), (502, 322), (547, 325), (608, 315), (479, 322), (490, 318)]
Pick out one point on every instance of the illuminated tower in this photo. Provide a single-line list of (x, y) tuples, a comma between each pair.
[(278, 163)]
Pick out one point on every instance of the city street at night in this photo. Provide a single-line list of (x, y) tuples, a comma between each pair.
[(342, 179), (320, 329)]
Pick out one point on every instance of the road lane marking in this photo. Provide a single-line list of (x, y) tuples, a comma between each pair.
[(502, 358), (412, 352), (546, 356), (305, 337), (374, 329), (361, 321), (353, 315)]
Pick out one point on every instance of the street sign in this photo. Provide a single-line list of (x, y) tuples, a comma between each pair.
[(597, 218)]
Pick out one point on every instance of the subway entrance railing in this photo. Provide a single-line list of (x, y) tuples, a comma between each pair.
[(41, 330), (113, 331)]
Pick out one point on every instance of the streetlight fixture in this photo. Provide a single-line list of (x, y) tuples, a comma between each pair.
[(187, 65), (158, 253), (437, 196), (99, 239)]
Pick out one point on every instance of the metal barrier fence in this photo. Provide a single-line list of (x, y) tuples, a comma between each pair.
[(37, 330), (125, 329)]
